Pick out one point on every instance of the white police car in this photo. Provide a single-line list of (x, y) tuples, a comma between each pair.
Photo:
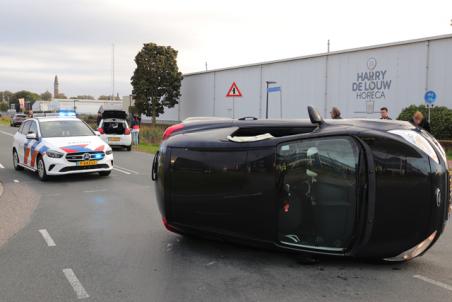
[(60, 145)]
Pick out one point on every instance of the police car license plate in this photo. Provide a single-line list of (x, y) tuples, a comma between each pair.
[(87, 163), (113, 139)]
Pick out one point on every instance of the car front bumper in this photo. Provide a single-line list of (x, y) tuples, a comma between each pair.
[(61, 166)]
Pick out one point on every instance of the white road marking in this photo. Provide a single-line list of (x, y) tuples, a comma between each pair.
[(75, 283), (16, 181), (434, 282), (122, 171), (6, 133), (47, 237), (94, 191), (2, 166), (128, 170)]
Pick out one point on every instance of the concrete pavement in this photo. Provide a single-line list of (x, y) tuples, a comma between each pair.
[(108, 233)]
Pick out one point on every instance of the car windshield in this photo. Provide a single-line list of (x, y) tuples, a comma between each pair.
[(65, 128)]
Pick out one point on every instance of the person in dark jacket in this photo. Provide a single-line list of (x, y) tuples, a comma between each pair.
[(335, 113), (419, 121), (384, 113)]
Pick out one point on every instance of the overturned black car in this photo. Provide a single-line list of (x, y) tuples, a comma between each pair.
[(362, 188)]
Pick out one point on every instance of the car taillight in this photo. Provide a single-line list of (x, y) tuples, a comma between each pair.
[(127, 131), (172, 129), (101, 130)]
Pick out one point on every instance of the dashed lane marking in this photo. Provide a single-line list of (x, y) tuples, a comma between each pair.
[(2, 166), (95, 191), (434, 282), (6, 133), (75, 283), (122, 171), (47, 237), (16, 181), (128, 170)]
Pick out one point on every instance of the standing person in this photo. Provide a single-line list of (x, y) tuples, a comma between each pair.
[(419, 121), (335, 113), (135, 129), (384, 114), (99, 118)]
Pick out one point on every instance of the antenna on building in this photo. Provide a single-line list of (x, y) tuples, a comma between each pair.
[(113, 71), (328, 46), (206, 65)]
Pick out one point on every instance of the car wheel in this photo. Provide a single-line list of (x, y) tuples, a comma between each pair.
[(129, 148), (16, 161), (104, 173), (42, 169)]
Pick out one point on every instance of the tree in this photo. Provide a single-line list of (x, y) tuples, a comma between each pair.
[(104, 98), (83, 97), (46, 96), (156, 80), (3, 106), (61, 96), (6, 96), (30, 97)]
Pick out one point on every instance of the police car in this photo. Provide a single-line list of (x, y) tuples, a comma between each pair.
[(55, 145)]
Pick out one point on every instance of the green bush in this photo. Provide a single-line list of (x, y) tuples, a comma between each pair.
[(440, 119)]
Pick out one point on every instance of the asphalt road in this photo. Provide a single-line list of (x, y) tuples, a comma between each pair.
[(101, 239)]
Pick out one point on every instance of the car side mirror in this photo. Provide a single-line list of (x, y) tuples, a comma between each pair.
[(31, 135), (97, 133)]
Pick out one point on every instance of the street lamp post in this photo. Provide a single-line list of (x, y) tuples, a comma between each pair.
[(266, 107)]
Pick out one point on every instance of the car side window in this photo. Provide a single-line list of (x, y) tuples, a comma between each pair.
[(26, 127), (33, 128)]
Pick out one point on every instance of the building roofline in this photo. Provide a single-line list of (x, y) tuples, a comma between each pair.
[(349, 50)]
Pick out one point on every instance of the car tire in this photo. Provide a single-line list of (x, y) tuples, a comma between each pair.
[(16, 165), (41, 169), (129, 148), (104, 173)]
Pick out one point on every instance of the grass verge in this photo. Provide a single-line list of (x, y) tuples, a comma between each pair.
[(4, 121), (449, 154), (147, 148)]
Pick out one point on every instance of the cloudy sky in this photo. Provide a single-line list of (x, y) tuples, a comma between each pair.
[(73, 38)]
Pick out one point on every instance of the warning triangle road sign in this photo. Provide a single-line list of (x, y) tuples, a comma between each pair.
[(234, 91)]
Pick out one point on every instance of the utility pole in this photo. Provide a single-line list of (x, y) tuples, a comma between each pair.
[(112, 71)]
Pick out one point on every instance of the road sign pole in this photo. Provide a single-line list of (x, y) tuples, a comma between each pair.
[(429, 106), (233, 107)]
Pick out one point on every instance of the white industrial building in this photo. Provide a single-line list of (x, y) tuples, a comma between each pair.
[(358, 81), (81, 106)]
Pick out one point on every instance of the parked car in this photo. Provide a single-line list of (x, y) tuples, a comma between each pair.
[(17, 119), (362, 188), (59, 146), (114, 129)]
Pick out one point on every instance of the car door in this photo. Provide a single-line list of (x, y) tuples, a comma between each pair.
[(32, 144), (318, 189), (21, 139)]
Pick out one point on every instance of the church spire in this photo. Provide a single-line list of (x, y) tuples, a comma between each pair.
[(56, 87)]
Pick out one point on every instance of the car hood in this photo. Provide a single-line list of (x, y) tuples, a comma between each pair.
[(75, 144)]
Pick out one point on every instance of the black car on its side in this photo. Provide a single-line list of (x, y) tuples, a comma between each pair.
[(17, 119), (353, 187)]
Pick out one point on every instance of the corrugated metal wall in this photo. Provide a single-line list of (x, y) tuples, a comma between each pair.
[(359, 82)]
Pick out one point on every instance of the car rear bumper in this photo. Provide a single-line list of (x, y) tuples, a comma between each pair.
[(117, 140)]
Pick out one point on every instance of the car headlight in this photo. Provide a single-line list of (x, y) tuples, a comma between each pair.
[(108, 152), (417, 140), (54, 154)]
